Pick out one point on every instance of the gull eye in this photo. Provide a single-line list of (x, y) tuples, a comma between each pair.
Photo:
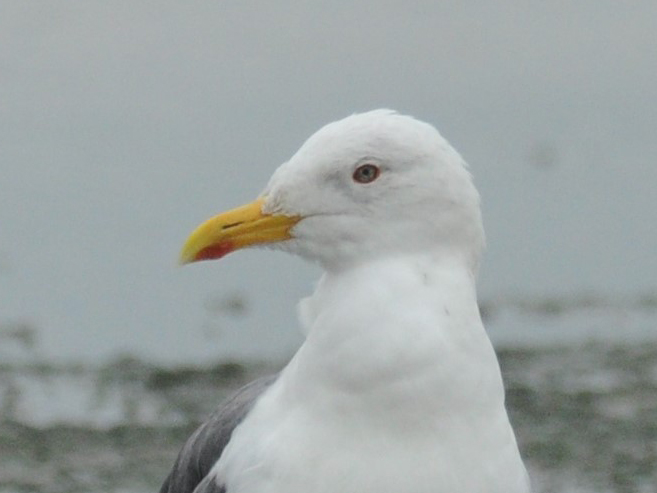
[(366, 173)]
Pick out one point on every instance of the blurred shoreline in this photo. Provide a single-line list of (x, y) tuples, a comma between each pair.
[(585, 417), (583, 401)]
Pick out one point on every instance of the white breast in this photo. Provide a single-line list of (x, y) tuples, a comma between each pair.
[(396, 389)]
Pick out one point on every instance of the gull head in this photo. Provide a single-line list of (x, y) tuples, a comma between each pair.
[(368, 186)]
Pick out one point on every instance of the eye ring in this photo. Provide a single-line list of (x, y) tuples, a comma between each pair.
[(366, 173)]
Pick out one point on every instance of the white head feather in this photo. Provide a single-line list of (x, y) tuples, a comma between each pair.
[(422, 201)]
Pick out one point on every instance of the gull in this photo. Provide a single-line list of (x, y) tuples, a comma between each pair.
[(396, 387)]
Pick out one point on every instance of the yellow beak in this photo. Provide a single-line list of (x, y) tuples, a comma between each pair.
[(235, 229)]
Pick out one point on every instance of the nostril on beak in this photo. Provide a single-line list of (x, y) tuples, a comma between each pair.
[(231, 225)]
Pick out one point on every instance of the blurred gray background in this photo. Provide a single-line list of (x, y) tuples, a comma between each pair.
[(123, 124)]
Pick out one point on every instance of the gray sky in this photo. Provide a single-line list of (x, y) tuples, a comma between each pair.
[(123, 124)]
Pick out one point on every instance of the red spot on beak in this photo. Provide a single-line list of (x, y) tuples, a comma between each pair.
[(215, 251)]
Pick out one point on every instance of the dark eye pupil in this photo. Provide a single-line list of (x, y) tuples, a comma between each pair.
[(366, 173)]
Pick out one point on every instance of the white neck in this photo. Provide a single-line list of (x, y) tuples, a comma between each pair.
[(434, 349), (380, 397)]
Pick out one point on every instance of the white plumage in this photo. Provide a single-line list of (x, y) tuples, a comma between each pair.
[(396, 387)]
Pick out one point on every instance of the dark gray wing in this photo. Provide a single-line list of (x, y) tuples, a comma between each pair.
[(204, 447)]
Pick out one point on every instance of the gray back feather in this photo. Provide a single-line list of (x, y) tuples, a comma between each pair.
[(204, 447)]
